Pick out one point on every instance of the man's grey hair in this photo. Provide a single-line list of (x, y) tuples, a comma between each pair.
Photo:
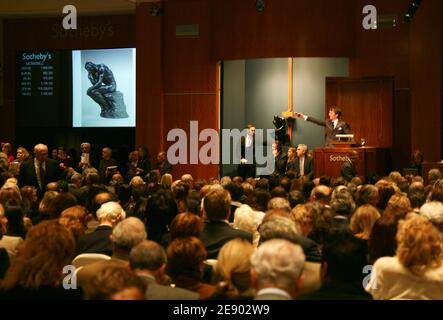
[(147, 255), (76, 177), (303, 147), (40, 147), (279, 227), (110, 211), (129, 233), (342, 201), (434, 175), (433, 211), (279, 203), (278, 263)]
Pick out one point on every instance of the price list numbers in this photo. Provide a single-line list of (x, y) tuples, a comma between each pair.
[(26, 81), (36, 80)]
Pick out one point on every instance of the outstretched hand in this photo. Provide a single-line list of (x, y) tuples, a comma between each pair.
[(299, 115)]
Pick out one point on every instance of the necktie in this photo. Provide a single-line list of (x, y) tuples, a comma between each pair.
[(41, 173)]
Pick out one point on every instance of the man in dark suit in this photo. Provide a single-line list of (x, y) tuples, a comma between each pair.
[(349, 168), (126, 235), (163, 164), (333, 125), (280, 159), (303, 165), (217, 231), (342, 264), (98, 241), (247, 166), (107, 167), (40, 171), (148, 261)]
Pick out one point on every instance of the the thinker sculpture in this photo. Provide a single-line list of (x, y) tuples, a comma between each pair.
[(103, 91)]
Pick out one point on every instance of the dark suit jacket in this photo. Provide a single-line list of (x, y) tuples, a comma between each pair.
[(28, 176), (348, 170), (247, 170), (341, 128), (280, 164), (105, 177), (216, 233), (164, 167), (338, 290), (157, 291), (308, 167), (96, 242)]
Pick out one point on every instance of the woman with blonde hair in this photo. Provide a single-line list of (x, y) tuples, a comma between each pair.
[(166, 181), (37, 272), (362, 221), (398, 206), (416, 271), (232, 270), (303, 217)]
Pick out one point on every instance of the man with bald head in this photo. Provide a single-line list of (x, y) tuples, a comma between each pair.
[(40, 171)]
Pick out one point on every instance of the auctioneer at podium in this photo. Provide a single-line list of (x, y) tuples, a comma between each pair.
[(333, 126)]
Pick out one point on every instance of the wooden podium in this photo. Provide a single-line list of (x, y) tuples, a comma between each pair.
[(372, 161)]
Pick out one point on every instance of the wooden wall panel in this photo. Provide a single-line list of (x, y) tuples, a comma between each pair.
[(191, 108), (426, 79), (149, 130), (189, 76), (286, 28), (366, 106), (187, 61)]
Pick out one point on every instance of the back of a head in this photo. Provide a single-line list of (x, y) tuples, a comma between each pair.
[(61, 202), (259, 199), (233, 263), (398, 206), (420, 245), (147, 255), (343, 204), (345, 258), (382, 240), (111, 212), (433, 211), (128, 233), (217, 205), (185, 256), (295, 197), (279, 228), (278, 262), (434, 175), (235, 190), (321, 193), (367, 194), (15, 226), (279, 203), (34, 267), (115, 283), (186, 225)]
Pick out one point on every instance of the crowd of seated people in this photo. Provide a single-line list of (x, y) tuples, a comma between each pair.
[(146, 234)]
